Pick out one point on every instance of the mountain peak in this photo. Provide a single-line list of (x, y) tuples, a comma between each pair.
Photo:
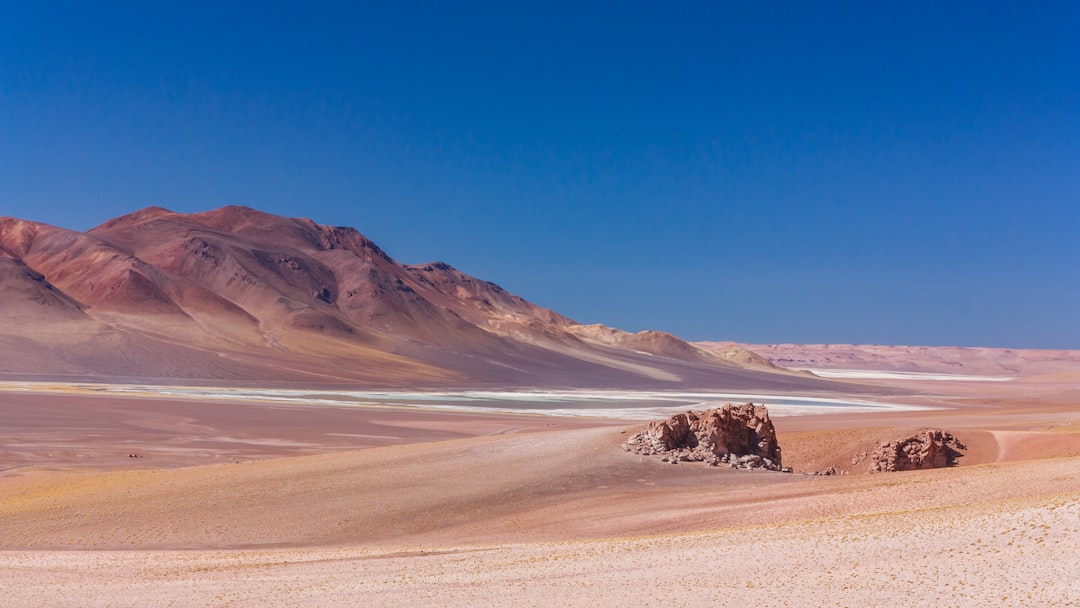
[(238, 216), (135, 217)]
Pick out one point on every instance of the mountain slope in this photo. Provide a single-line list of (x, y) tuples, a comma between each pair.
[(239, 294)]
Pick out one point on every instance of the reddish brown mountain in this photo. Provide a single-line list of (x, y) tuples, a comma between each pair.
[(243, 295)]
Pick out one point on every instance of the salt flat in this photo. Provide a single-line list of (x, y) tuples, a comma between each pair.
[(612, 404)]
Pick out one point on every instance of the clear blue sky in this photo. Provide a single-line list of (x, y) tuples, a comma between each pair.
[(891, 173)]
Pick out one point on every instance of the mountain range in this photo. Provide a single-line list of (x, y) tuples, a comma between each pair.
[(236, 294)]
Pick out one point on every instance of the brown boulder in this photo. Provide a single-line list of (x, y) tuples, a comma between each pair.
[(927, 449), (740, 435)]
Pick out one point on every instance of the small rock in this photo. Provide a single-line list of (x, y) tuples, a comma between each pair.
[(927, 449)]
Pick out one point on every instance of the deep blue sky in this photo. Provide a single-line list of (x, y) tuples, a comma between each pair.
[(892, 173)]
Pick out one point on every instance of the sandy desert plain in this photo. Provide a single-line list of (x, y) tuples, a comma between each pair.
[(155, 496), (232, 408)]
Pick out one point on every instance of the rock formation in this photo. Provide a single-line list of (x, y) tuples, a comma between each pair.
[(927, 449), (740, 435)]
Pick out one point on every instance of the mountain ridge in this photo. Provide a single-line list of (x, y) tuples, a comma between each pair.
[(237, 293)]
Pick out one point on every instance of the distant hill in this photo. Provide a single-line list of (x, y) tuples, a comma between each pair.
[(961, 360), (238, 294)]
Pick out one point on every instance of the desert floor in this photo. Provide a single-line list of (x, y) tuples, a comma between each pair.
[(131, 501)]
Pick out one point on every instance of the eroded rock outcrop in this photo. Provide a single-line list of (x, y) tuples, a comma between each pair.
[(742, 436), (927, 449)]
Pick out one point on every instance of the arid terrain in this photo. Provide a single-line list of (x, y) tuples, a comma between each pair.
[(114, 500), (989, 363), (196, 412)]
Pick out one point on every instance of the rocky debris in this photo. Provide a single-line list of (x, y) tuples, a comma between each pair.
[(738, 436), (927, 449)]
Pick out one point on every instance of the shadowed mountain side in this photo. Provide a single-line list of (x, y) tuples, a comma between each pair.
[(236, 293), (26, 294)]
